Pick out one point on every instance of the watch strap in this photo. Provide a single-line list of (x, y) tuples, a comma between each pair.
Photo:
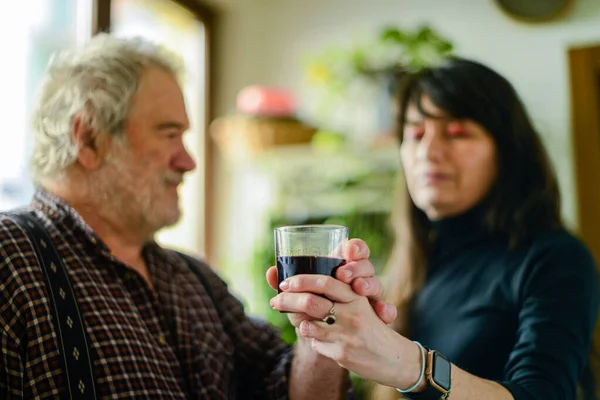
[(430, 393)]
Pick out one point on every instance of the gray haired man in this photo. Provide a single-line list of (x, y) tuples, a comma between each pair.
[(108, 160)]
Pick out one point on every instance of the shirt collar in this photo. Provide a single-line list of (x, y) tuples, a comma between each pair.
[(57, 209)]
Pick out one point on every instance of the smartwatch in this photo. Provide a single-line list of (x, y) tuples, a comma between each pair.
[(438, 377)]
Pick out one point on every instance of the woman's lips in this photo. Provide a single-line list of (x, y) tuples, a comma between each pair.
[(436, 177)]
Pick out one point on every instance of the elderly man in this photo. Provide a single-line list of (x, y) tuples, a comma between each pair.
[(148, 322)]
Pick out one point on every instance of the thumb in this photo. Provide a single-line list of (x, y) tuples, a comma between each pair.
[(272, 277)]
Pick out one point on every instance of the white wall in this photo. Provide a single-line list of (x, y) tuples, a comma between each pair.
[(263, 41)]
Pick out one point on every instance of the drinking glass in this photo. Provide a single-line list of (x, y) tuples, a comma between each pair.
[(309, 249)]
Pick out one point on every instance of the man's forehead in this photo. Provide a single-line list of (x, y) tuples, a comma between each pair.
[(160, 97)]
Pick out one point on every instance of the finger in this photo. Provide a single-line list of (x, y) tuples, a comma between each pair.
[(355, 269), (356, 249), (297, 318), (307, 303), (319, 284), (272, 277), (385, 311), (368, 287), (317, 330), (327, 349)]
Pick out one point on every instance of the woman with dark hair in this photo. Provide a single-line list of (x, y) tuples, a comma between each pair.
[(495, 299)]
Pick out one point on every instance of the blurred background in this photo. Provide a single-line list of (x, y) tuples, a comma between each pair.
[(290, 103)]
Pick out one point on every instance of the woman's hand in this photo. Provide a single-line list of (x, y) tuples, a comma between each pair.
[(359, 340), (358, 272)]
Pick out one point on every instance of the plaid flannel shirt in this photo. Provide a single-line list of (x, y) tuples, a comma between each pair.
[(227, 355)]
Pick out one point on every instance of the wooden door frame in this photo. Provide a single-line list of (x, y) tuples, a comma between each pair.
[(101, 23), (584, 69)]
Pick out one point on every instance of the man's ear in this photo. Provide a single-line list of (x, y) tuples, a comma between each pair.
[(90, 146)]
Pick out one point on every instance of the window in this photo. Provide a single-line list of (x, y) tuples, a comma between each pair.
[(35, 30)]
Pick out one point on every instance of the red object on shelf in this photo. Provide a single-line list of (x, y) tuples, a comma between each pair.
[(266, 101)]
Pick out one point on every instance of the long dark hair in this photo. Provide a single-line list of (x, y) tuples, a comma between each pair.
[(523, 201)]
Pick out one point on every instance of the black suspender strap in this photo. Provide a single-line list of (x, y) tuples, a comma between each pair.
[(72, 338), (77, 356)]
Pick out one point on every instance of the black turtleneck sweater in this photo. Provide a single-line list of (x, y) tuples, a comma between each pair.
[(521, 317)]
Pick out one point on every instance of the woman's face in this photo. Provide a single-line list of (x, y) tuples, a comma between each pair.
[(450, 165)]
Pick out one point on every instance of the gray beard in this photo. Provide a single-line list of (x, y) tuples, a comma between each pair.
[(129, 194)]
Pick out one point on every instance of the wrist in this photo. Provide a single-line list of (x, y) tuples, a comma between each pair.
[(414, 380), (304, 351), (438, 379), (326, 379)]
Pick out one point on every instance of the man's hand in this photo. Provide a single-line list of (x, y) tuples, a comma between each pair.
[(358, 272)]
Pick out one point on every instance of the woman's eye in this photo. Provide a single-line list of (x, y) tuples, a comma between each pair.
[(456, 129), (414, 132)]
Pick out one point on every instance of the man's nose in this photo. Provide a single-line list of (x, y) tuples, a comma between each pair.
[(183, 161)]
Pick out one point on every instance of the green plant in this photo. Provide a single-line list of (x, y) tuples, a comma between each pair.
[(338, 76), (394, 51)]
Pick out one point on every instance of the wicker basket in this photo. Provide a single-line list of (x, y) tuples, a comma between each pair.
[(241, 137)]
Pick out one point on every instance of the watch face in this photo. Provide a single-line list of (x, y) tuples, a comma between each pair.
[(441, 371)]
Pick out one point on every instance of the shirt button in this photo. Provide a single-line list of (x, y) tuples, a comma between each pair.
[(162, 339), (93, 240)]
